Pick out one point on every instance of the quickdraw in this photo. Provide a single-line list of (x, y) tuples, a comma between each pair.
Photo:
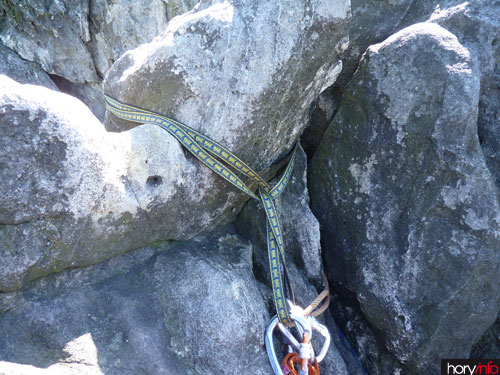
[(214, 155)]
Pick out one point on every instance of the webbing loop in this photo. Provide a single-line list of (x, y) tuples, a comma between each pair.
[(207, 150)]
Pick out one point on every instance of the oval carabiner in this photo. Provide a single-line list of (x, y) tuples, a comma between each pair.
[(271, 353), (317, 326), (303, 325)]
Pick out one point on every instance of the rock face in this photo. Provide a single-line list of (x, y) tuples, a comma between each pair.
[(73, 194), (192, 307), (489, 344), (23, 71), (477, 25), (231, 63), (115, 27), (371, 22), (189, 308), (94, 195), (27, 25), (402, 191), (106, 266), (77, 41)]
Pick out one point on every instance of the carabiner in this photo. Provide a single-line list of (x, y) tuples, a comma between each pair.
[(317, 326), (304, 325), (271, 353)]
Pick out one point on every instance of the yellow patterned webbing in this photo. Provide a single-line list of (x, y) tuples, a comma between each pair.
[(207, 150)]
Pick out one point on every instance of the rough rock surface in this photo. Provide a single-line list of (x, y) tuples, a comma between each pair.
[(94, 195), (477, 25), (371, 22), (23, 71), (230, 63), (300, 227), (402, 191), (77, 41), (115, 27), (407, 201), (231, 72), (73, 194), (52, 34), (186, 308), (489, 344)]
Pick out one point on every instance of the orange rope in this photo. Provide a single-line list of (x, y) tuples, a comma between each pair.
[(313, 309)]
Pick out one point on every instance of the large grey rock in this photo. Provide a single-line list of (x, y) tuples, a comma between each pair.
[(74, 195), (21, 70), (119, 26), (53, 34), (186, 308), (477, 25), (300, 227), (77, 41), (371, 22), (93, 195), (409, 208), (230, 70)]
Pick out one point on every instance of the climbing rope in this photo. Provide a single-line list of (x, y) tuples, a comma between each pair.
[(222, 161), (313, 309)]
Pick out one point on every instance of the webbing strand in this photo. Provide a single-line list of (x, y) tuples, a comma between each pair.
[(186, 140), (202, 147), (207, 143)]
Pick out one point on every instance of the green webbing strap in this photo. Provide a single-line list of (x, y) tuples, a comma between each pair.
[(202, 148)]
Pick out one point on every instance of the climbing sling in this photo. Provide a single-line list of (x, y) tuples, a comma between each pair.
[(214, 155)]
